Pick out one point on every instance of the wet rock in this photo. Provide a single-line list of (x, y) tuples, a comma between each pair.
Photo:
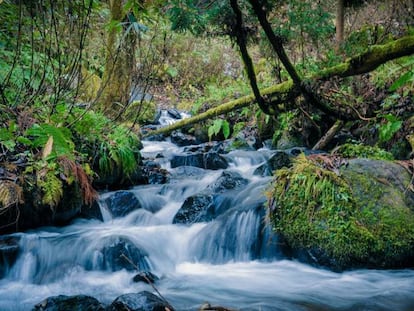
[(218, 147), (154, 174), (123, 254), (146, 277), (197, 208), (157, 117), (142, 301), (182, 140), (147, 129), (188, 171), (210, 160), (121, 203), (73, 303), (247, 140), (229, 180), (9, 250), (214, 161), (276, 161), (92, 212), (32, 213), (174, 113)]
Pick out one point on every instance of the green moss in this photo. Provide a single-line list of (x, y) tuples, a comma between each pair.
[(362, 151), (141, 112), (346, 218)]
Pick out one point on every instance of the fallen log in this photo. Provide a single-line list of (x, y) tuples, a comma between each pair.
[(284, 92)]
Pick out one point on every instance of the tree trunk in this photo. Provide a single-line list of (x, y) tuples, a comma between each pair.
[(120, 63), (281, 93), (339, 23)]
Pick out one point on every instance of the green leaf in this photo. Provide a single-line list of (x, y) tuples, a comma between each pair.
[(217, 126), (387, 131), (226, 129), (405, 78), (172, 72), (24, 140)]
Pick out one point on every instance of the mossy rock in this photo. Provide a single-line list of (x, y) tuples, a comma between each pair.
[(358, 215)]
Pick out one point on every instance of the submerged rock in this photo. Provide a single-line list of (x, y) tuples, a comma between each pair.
[(353, 216), (72, 303), (142, 301)]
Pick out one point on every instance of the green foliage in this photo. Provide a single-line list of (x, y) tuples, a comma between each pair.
[(361, 151), (396, 75), (7, 136), (402, 80), (51, 186), (306, 19), (387, 130), (217, 126), (186, 15), (284, 123), (63, 144)]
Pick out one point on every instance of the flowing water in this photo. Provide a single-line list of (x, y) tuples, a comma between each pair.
[(231, 261)]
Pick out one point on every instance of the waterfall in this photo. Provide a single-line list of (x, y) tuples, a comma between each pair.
[(232, 258)]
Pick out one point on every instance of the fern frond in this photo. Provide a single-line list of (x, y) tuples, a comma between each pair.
[(51, 186), (89, 194), (62, 139)]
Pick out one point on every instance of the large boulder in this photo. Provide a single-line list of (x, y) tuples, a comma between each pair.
[(142, 301), (73, 303), (348, 216)]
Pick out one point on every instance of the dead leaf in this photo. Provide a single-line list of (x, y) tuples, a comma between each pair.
[(47, 150)]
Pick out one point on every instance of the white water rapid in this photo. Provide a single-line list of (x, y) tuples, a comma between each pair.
[(229, 261)]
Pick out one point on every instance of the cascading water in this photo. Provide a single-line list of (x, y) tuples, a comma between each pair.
[(230, 260)]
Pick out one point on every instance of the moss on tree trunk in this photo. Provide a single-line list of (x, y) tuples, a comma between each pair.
[(119, 66)]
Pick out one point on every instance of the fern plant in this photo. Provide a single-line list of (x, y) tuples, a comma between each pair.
[(62, 139), (51, 186), (217, 126), (120, 149)]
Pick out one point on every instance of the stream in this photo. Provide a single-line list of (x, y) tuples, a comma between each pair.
[(232, 260)]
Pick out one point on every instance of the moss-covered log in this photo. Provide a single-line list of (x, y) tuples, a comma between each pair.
[(284, 92)]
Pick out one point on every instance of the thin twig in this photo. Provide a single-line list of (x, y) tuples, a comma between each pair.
[(146, 279)]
